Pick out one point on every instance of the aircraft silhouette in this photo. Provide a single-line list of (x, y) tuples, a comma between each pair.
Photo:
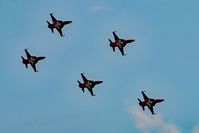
[(58, 24), (89, 84), (149, 102), (32, 60), (120, 43)]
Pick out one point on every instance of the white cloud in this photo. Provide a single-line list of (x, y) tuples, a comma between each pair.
[(152, 123), (100, 8)]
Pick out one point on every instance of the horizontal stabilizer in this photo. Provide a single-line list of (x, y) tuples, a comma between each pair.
[(139, 100), (24, 61), (48, 22), (140, 103), (80, 85), (110, 41)]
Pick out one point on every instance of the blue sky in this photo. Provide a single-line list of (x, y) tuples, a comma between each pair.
[(163, 61)]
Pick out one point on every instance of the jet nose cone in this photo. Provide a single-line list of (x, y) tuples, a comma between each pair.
[(160, 100), (41, 58), (100, 82), (69, 22), (131, 40)]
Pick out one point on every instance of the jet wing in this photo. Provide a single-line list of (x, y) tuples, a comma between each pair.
[(84, 78), (52, 30), (115, 36), (91, 91), (27, 53), (83, 89), (34, 67), (143, 108), (121, 50), (53, 18), (144, 96), (26, 65), (60, 31), (151, 109)]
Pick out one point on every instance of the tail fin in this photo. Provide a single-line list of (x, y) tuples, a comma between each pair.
[(80, 85), (111, 45), (24, 62), (140, 103)]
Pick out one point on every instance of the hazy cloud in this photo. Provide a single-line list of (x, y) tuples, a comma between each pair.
[(196, 129), (152, 123)]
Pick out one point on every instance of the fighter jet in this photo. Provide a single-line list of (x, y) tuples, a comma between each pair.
[(32, 60), (89, 84), (149, 102), (58, 24), (120, 43)]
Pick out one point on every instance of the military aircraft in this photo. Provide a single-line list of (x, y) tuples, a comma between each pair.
[(32, 60), (120, 43), (89, 84), (58, 24), (149, 102)]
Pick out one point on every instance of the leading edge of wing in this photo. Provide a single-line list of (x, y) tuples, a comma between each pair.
[(115, 36)]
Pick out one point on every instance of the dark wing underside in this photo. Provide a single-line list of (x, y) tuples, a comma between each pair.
[(26, 65), (91, 91), (53, 18), (143, 108), (115, 36), (60, 31), (84, 78), (121, 50), (52, 30), (151, 109), (83, 89), (27, 53), (34, 67), (144, 96)]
